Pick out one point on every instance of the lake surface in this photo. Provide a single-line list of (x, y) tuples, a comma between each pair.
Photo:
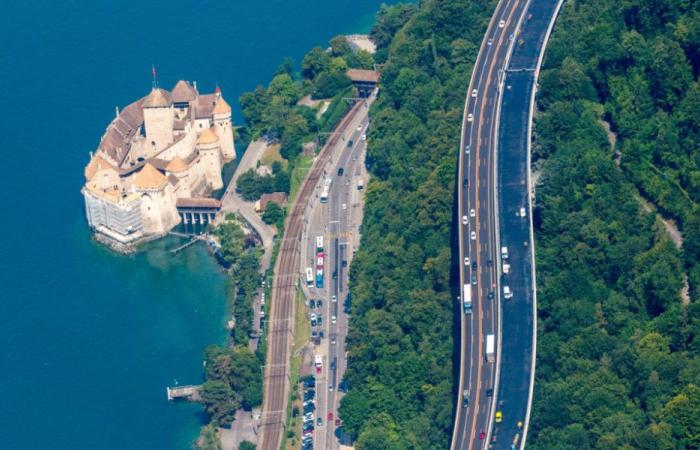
[(89, 339)]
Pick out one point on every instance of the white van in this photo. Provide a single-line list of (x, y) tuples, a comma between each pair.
[(507, 293)]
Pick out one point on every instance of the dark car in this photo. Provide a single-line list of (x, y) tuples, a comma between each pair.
[(489, 392), (489, 263), (465, 183), (312, 303), (491, 295), (319, 303), (474, 266), (333, 363), (474, 278), (340, 171)]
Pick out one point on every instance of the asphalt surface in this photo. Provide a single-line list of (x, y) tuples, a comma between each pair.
[(281, 321), (518, 313), (476, 190), (343, 226), (338, 221)]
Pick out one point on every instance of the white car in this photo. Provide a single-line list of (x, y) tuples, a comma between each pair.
[(473, 235), (472, 212), (466, 260), (359, 128), (364, 137), (313, 316), (333, 319), (522, 212), (489, 42), (334, 299), (466, 149), (470, 117), (464, 220), (501, 24), (474, 93), (344, 206)]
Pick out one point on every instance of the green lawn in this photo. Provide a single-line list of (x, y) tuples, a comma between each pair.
[(302, 166)]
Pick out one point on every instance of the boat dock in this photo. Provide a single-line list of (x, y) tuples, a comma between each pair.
[(189, 392)]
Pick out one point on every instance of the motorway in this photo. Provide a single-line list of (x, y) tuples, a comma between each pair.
[(496, 132), (284, 287), (518, 344), (476, 191)]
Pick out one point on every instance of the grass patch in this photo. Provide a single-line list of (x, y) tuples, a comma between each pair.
[(272, 154), (301, 167), (302, 333)]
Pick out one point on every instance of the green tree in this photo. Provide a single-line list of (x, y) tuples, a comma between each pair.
[(218, 401), (315, 62), (273, 214), (246, 445)]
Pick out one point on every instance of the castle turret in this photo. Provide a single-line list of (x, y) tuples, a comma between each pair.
[(209, 146), (158, 210), (224, 128), (158, 119)]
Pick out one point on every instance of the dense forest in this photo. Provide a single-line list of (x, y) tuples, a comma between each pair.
[(618, 363), (400, 345), (618, 358)]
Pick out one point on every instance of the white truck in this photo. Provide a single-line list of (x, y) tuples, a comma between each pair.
[(490, 348), (467, 298)]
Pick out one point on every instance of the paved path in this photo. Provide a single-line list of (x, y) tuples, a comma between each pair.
[(232, 202)]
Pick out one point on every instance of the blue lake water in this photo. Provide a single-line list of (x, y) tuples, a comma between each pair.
[(88, 339)]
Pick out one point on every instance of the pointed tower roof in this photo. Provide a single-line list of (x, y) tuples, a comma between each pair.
[(183, 92), (221, 107), (177, 164), (158, 98), (149, 178), (208, 136)]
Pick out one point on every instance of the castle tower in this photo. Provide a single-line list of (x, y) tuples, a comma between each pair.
[(158, 117), (158, 210), (209, 146), (223, 126), (182, 95)]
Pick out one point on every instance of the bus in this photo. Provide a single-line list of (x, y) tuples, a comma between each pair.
[(467, 299), (319, 278), (326, 190), (309, 277), (319, 244)]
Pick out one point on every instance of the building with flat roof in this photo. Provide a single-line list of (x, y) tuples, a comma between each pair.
[(164, 148)]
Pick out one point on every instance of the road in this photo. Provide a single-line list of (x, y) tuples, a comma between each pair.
[(339, 224), (496, 129), (476, 191), (518, 347), (281, 320)]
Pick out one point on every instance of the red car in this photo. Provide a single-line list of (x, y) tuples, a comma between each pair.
[(482, 435), (330, 416), (337, 422), (318, 370)]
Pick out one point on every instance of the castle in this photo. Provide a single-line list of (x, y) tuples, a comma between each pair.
[(160, 153)]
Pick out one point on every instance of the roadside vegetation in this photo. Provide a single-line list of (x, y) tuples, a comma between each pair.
[(618, 358), (400, 372)]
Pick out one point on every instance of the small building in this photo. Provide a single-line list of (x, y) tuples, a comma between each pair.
[(280, 198), (365, 81), (198, 210)]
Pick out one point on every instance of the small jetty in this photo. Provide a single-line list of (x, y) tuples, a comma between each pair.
[(189, 392)]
